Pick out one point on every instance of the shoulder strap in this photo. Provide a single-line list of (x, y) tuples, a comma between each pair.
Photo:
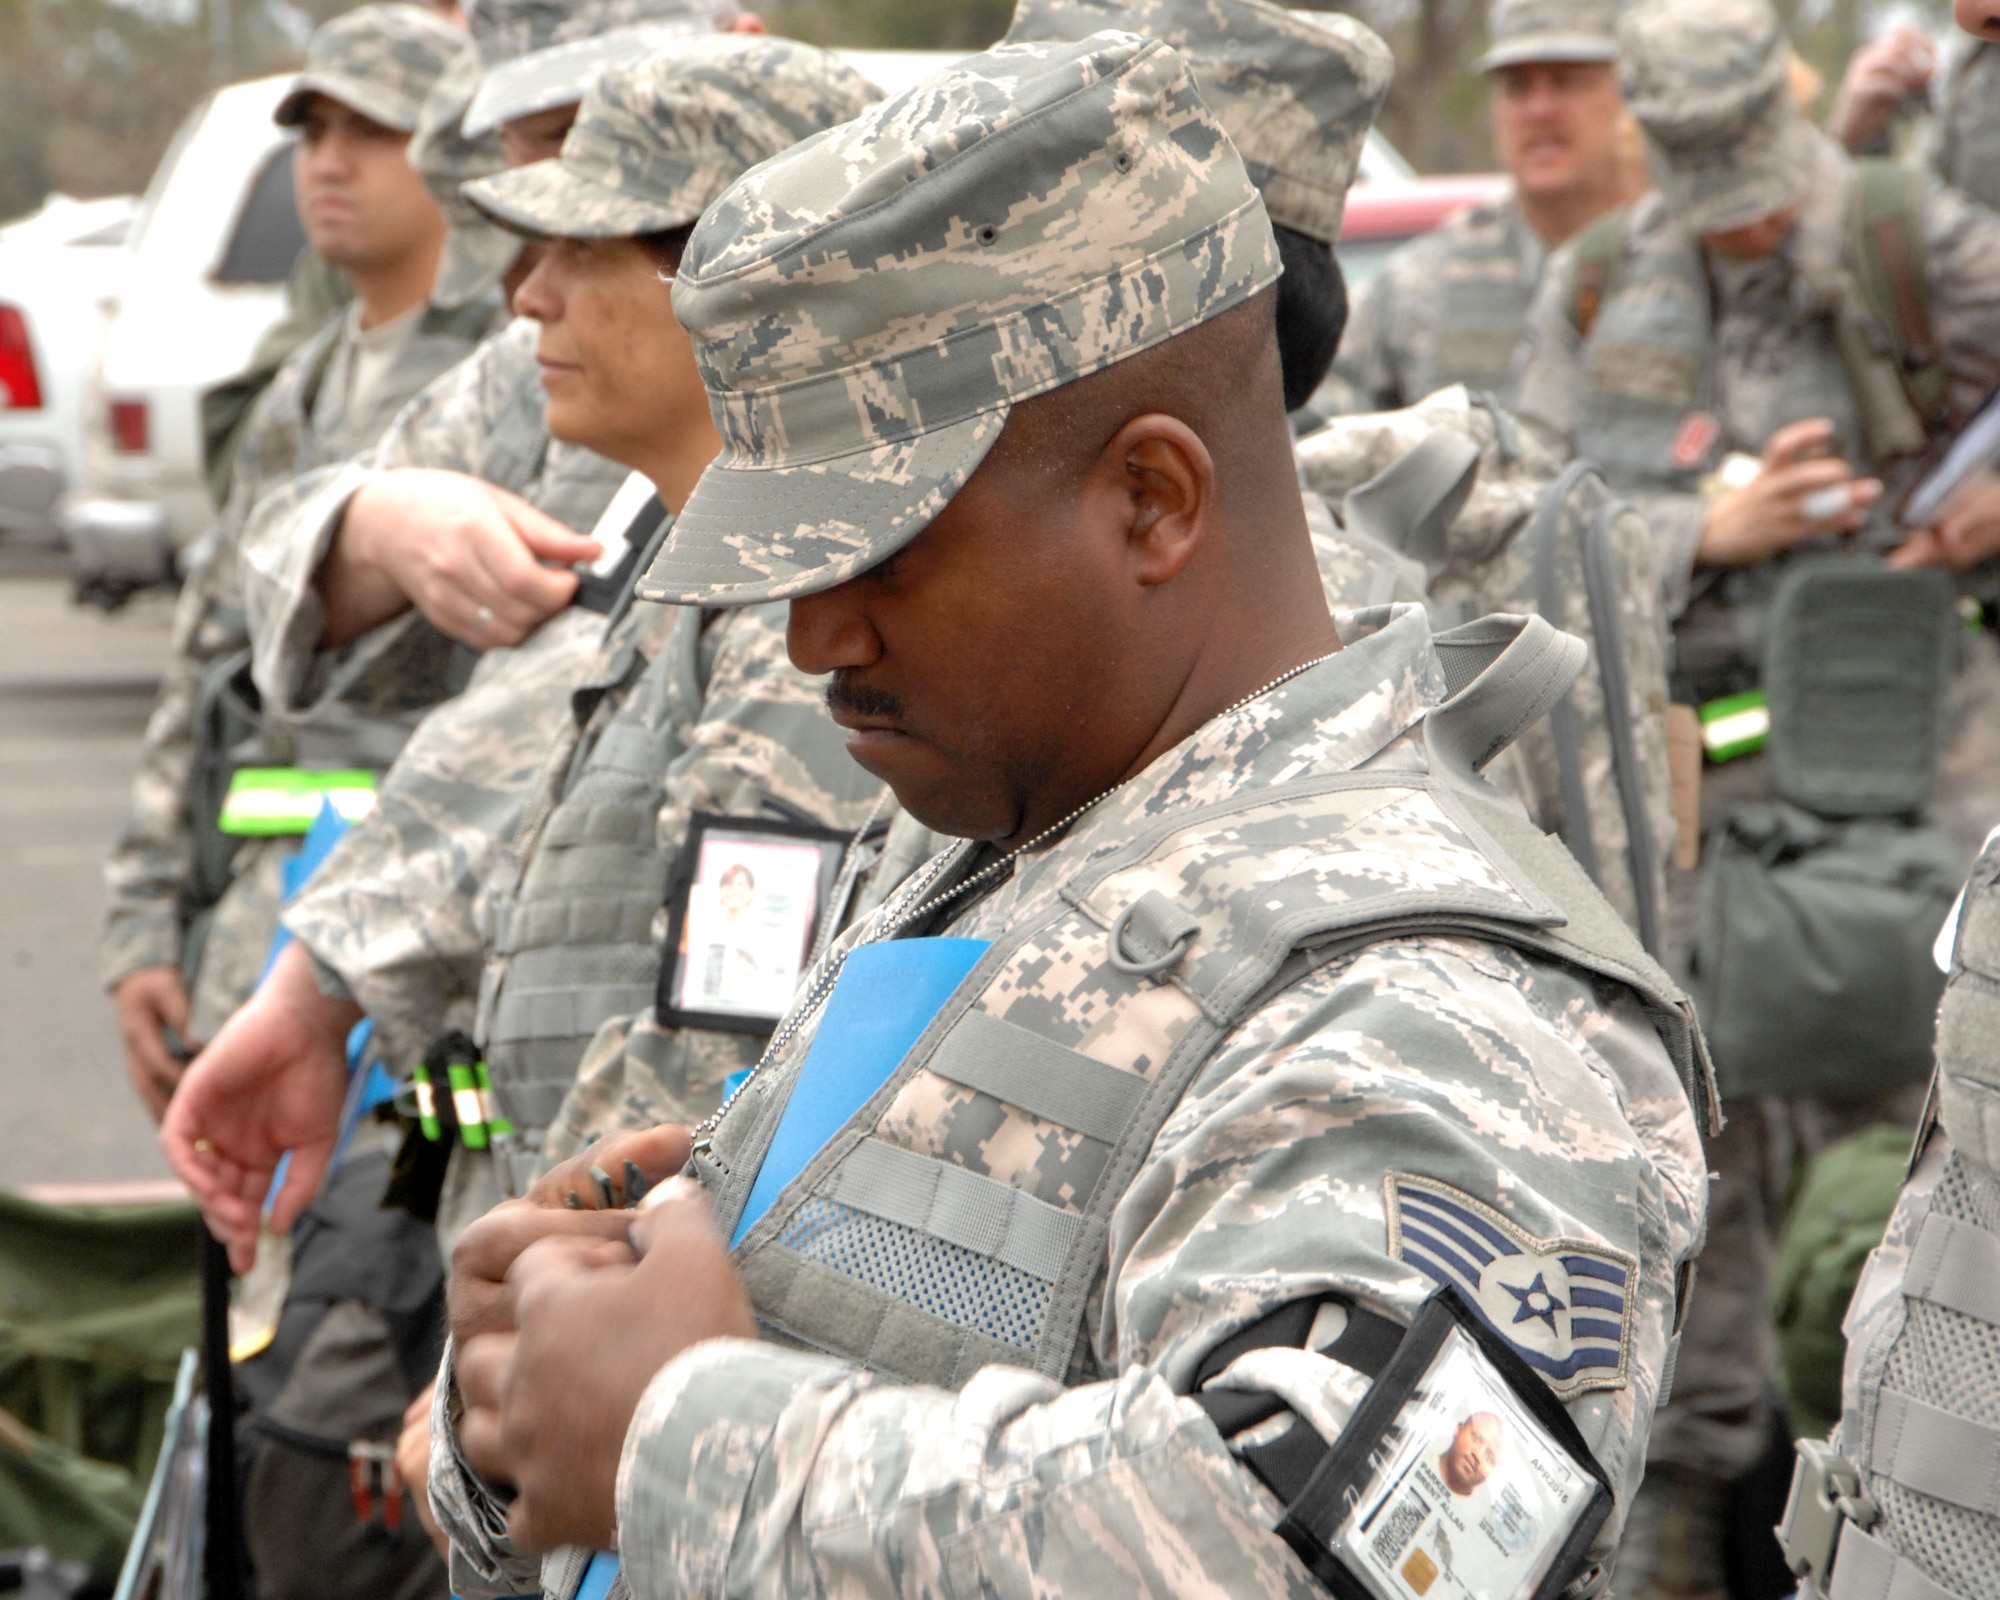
[(1890, 255), (1409, 505), (1597, 264)]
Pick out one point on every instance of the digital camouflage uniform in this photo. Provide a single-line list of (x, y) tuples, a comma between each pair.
[(383, 60), (552, 881), (1684, 331), (971, 1453), (1965, 151), (1449, 307)]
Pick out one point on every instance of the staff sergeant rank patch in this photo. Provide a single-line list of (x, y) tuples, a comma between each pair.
[(1565, 1304)]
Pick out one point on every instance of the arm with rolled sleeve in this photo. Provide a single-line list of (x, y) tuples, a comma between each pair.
[(755, 1471)]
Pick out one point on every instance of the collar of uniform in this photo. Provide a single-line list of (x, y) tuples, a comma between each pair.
[(1338, 716)]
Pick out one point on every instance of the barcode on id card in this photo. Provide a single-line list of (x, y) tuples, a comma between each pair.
[(1399, 1529)]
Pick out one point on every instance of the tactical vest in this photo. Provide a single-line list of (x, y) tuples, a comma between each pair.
[(1492, 268), (926, 1270), (1641, 300)]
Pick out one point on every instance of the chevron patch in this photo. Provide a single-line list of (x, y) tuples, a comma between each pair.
[(1566, 1305)]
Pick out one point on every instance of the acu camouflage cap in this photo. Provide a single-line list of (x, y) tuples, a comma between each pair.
[(378, 60), (866, 307), (539, 54), (1519, 31), (1709, 82), (1296, 91), (476, 254), (656, 142)]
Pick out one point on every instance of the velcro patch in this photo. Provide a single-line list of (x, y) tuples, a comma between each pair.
[(1566, 1305)]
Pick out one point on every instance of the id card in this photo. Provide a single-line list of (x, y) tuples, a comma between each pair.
[(1458, 1478), (741, 915)]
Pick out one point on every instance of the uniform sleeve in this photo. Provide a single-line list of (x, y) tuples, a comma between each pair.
[(291, 530), (151, 870), (1548, 388), (753, 1471), (394, 910), (1369, 368), (1965, 295)]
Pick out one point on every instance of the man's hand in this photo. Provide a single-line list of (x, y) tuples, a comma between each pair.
[(1879, 78), (272, 1081), (548, 1408), (146, 1002), (618, 1170), (1777, 508), (413, 1464), (1967, 534), (468, 555)]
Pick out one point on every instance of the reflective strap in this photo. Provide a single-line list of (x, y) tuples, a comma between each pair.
[(1929, 1450), (1736, 725), (1043, 1078), (267, 801), (1956, 1265), (1866, 1568), (957, 1206)]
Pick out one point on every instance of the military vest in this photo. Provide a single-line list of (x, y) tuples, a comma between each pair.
[(1492, 267), (925, 1269)]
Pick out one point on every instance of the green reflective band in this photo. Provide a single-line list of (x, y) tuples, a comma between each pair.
[(496, 1121), (1736, 725), (465, 1101), (427, 1113), (267, 801)]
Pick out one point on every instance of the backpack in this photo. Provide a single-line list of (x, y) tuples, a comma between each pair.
[(1534, 537)]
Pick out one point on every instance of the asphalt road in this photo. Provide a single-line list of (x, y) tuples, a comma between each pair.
[(75, 690)]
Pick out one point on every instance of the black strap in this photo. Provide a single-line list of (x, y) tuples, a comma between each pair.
[(1285, 1463), (613, 591)]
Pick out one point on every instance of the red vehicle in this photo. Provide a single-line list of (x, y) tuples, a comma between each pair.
[(1386, 214)]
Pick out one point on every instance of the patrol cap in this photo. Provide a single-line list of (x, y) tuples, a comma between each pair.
[(476, 254), (866, 307), (539, 54), (1296, 91), (657, 141), (1519, 31), (379, 60), (1708, 82)]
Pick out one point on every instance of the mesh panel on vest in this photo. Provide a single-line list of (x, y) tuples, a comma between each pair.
[(1952, 1361), (570, 966), (950, 1282)]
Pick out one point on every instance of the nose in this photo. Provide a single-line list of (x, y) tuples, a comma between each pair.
[(536, 295), (831, 630)]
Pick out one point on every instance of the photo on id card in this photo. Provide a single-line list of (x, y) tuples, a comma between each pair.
[(1473, 1488), (741, 920)]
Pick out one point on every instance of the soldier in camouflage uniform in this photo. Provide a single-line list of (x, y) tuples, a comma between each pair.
[(1893, 76), (366, 78), (1748, 221), (1450, 307), (1033, 575)]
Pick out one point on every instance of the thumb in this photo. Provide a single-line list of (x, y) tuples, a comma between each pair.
[(546, 538), (1791, 441)]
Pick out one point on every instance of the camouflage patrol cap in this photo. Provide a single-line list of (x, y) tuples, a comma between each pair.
[(378, 60), (657, 141), (1519, 31), (539, 54), (1708, 82), (866, 307), (1296, 91), (476, 254)]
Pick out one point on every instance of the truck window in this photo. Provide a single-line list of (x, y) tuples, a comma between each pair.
[(267, 237)]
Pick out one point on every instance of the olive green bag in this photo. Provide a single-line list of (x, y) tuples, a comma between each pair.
[(1812, 957)]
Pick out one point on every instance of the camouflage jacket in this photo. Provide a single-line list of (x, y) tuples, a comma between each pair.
[(1767, 360), (1446, 308), (1966, 151), (148, 877), (1443, 1058)]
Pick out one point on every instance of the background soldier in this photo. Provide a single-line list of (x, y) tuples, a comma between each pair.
[(366, 210), (1067, 725), (1891, 79), (1450, 307)]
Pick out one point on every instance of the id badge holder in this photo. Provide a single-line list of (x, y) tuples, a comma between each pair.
[(746, 899), (1459, 1477)]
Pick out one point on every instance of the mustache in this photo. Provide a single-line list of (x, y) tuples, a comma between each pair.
[(844, 694)]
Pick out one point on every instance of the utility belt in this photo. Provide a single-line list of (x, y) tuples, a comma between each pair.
[(1817, 908)]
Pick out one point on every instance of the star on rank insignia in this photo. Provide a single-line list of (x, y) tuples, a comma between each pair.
[(1566, 1305)]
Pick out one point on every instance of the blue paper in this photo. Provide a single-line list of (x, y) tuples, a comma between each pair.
[(597, 1576), (883, 1000)]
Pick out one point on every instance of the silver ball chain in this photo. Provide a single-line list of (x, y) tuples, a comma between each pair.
[(830, 970)]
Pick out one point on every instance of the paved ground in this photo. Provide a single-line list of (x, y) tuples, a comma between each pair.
[(75, 688)]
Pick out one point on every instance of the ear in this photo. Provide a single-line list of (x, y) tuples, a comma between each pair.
[(1168, 482)]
